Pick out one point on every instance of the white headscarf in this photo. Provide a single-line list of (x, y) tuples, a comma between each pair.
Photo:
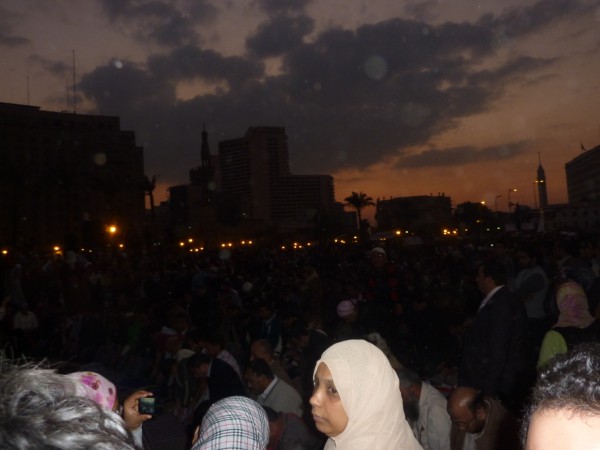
[(370, 393)]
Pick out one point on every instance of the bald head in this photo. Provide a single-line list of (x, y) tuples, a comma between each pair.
[(467, 409)]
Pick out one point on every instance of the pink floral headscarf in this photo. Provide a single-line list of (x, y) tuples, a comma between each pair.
[(572, 306), (95, 387)]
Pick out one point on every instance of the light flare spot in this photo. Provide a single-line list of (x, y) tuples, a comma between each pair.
[(376, 67)]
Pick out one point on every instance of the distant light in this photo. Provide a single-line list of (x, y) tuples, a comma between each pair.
[(56, 248), (121, 246), (230, 245), (4, 251), (243, 242), (112, 229), (250, 242), (181, 244), (190, 240), (398, 232), (283, 247), (308, 244)]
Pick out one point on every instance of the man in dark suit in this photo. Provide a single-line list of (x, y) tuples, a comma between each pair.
[(494, 357), (221, 379)]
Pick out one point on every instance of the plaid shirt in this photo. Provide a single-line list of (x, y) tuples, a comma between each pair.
[(234, 423)]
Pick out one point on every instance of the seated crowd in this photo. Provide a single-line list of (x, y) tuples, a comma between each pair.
[(479, 339)]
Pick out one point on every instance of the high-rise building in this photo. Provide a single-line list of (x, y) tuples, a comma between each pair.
[(258, 187), (540, 181), (583, 177), (203, 176), (64, 178)]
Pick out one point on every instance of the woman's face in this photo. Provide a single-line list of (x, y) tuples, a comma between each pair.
[(327, 409)]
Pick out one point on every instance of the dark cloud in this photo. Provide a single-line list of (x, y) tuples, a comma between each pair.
[(422, 10), (164, 22), (279, 6), (56, 68), (348, 98), (279, 35), (514, 69), (189, 62), (457, 156), (9, 40), (8, 19), (521, 21)]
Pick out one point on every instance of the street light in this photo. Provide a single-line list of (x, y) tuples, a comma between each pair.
[(509, 202)]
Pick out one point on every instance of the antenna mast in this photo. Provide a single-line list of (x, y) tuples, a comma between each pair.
[(74, 86), (28, 96)]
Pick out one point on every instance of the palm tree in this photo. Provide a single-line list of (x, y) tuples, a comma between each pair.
[(149, 186), (359, 200)]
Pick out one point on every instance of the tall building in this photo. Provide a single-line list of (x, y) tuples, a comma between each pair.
[(258, 187), (203, 176), (64, 178), (540, 181), (583, 177)]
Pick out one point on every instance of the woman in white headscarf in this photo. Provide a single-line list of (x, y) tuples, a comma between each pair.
[(356, 400)]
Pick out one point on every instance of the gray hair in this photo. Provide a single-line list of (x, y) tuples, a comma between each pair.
[(408, 377), (39, 409)]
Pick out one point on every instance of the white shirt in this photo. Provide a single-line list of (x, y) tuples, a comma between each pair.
[(432, 430)]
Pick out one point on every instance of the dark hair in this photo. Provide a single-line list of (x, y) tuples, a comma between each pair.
[(299, 328), (208, 335), (265, 346), (569, 381), (530, 250), (197, 359), (260, 367), (495, 270)]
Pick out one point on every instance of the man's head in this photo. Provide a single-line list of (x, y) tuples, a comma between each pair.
[(262, 349), (300, 334), (211, 342), (258, 376), (527, 256), (378, 257), (564, 412), (468, 409), (410, 388), (490, 274), (199, 364)]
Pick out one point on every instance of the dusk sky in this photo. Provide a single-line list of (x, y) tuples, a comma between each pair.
[(391, 97)]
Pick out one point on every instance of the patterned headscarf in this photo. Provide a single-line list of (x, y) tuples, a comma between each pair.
[(370, 393), (572, 306), (234, 423), (95, 387)]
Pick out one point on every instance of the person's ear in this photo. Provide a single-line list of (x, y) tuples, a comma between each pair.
[(481, 413)]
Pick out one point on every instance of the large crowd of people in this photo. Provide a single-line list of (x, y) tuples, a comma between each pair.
[(465, 326)]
